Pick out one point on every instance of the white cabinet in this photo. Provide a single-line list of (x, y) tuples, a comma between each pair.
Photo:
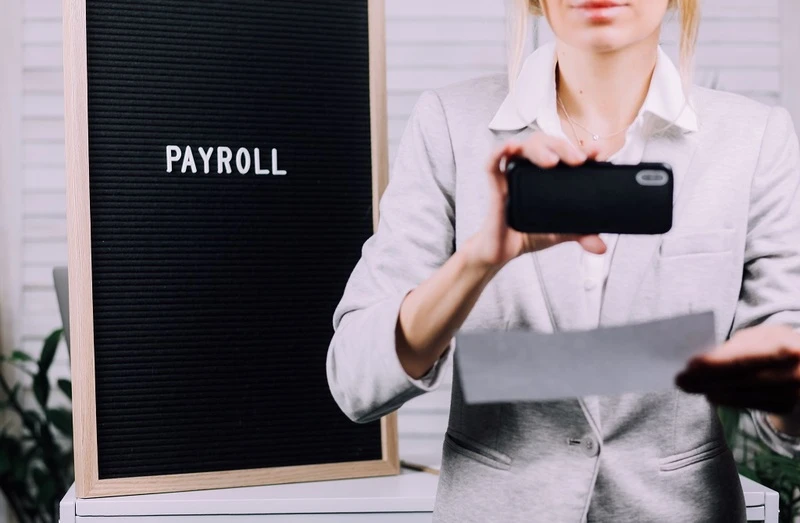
[(407, 498)]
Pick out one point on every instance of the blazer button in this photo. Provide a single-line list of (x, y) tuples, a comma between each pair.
[(590, 446)]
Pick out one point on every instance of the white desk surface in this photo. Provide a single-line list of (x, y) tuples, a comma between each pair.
[(410, 492), (407, 492), (762, 502)]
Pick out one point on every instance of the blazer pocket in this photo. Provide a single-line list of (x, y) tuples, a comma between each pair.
[(474, 450), (705, 242), (704, 452)]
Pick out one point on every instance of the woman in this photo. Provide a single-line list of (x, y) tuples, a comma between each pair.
[(443, 259)]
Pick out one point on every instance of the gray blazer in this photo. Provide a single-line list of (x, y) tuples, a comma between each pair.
[(734, 249)]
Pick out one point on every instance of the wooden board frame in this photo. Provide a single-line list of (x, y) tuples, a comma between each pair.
[(87, 481)]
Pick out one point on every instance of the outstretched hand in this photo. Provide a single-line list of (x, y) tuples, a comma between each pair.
[(758, 368)]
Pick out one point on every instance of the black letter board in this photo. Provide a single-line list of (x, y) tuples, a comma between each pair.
[(223, 160)]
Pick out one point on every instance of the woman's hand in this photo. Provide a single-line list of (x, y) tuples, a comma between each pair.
[(496, 244), (758, 368)]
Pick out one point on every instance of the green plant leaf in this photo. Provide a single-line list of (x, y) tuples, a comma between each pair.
[(18, 355), (729, 418), (33, 417), (41, 388), (66, 387), (15, 391), (19, 467), (49, 351), (66, 459), (11, 400), (61, 419), (34, 451), (5, 464), (46, 487), (46, 439)]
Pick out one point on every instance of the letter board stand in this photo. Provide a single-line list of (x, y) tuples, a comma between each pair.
[(224, 160)]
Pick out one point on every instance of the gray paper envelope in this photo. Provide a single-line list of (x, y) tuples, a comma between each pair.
[(506, 366)]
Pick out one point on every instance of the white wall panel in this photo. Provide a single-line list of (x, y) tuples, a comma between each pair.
[(45, 229), (419, 56), (38, 278), (416, 30), (410, 80), (38, 32), (443, 10), (38, 130), (41, 179), (45, 205), (43, 185), (42, 56), (43, 81), (38, 106), (44, 254), (790, 40), (42, 10), (39, 154)]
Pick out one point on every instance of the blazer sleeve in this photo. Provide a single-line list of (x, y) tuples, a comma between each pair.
[(771, 281), (415, 237), (770, 290)]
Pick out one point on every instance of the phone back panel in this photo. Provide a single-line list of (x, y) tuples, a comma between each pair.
[(593, 198)]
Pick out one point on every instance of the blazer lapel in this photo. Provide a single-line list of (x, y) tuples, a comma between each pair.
[(559, 272), (634, 255)]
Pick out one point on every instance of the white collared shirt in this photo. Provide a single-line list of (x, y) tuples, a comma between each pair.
[(534, 103)]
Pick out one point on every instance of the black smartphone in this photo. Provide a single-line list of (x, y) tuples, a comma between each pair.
[(589, 199)]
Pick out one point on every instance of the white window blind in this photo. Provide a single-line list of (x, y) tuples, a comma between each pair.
[(43, 204)]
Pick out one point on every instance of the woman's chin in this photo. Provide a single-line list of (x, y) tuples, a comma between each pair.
[(599, 41)]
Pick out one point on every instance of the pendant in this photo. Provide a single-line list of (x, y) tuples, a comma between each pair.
[(595, 137)]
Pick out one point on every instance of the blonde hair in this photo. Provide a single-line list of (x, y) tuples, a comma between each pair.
[(689, 18)]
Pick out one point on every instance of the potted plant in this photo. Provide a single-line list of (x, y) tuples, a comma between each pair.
[(36, 459), (757, 461)]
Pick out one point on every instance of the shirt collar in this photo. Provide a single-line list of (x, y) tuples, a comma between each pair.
[(534, 99)]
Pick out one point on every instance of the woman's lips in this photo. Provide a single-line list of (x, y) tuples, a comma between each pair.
[(600, 10)]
